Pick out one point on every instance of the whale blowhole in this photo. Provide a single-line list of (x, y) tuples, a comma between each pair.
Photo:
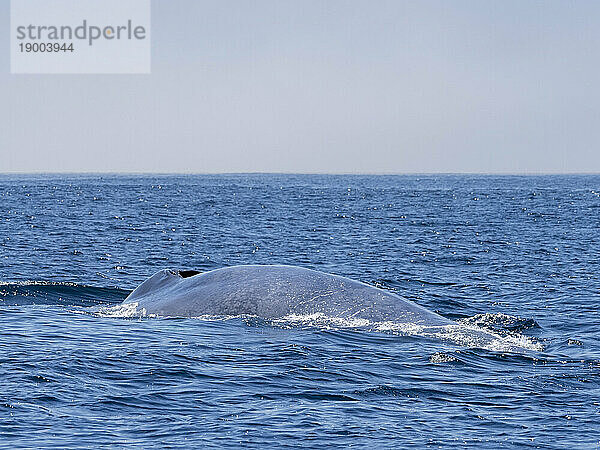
[(188, 273)]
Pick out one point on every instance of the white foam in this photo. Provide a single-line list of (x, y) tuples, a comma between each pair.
[(464, 334), (322, 321), (123, 310), (441, 357)]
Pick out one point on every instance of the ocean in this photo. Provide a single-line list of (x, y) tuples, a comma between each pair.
[(518, 255)]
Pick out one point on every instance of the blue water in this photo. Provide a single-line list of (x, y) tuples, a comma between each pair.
[(517, 255)]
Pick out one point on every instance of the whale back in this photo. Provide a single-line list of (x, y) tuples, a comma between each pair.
[(273, 292), (159, 281)]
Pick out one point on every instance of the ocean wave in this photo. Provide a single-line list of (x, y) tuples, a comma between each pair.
[(57, 293), (500, 322)]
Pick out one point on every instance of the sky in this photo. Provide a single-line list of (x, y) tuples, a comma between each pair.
[(328, 86)]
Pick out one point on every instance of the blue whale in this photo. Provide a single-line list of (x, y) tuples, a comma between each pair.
[(272, 292), (287, 292)]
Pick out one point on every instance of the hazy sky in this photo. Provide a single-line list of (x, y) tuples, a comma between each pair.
[(325, 86)]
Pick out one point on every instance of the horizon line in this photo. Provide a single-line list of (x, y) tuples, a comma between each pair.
[(375, 173)]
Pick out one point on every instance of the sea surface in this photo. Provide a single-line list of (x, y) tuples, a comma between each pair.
[(518, 255)]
